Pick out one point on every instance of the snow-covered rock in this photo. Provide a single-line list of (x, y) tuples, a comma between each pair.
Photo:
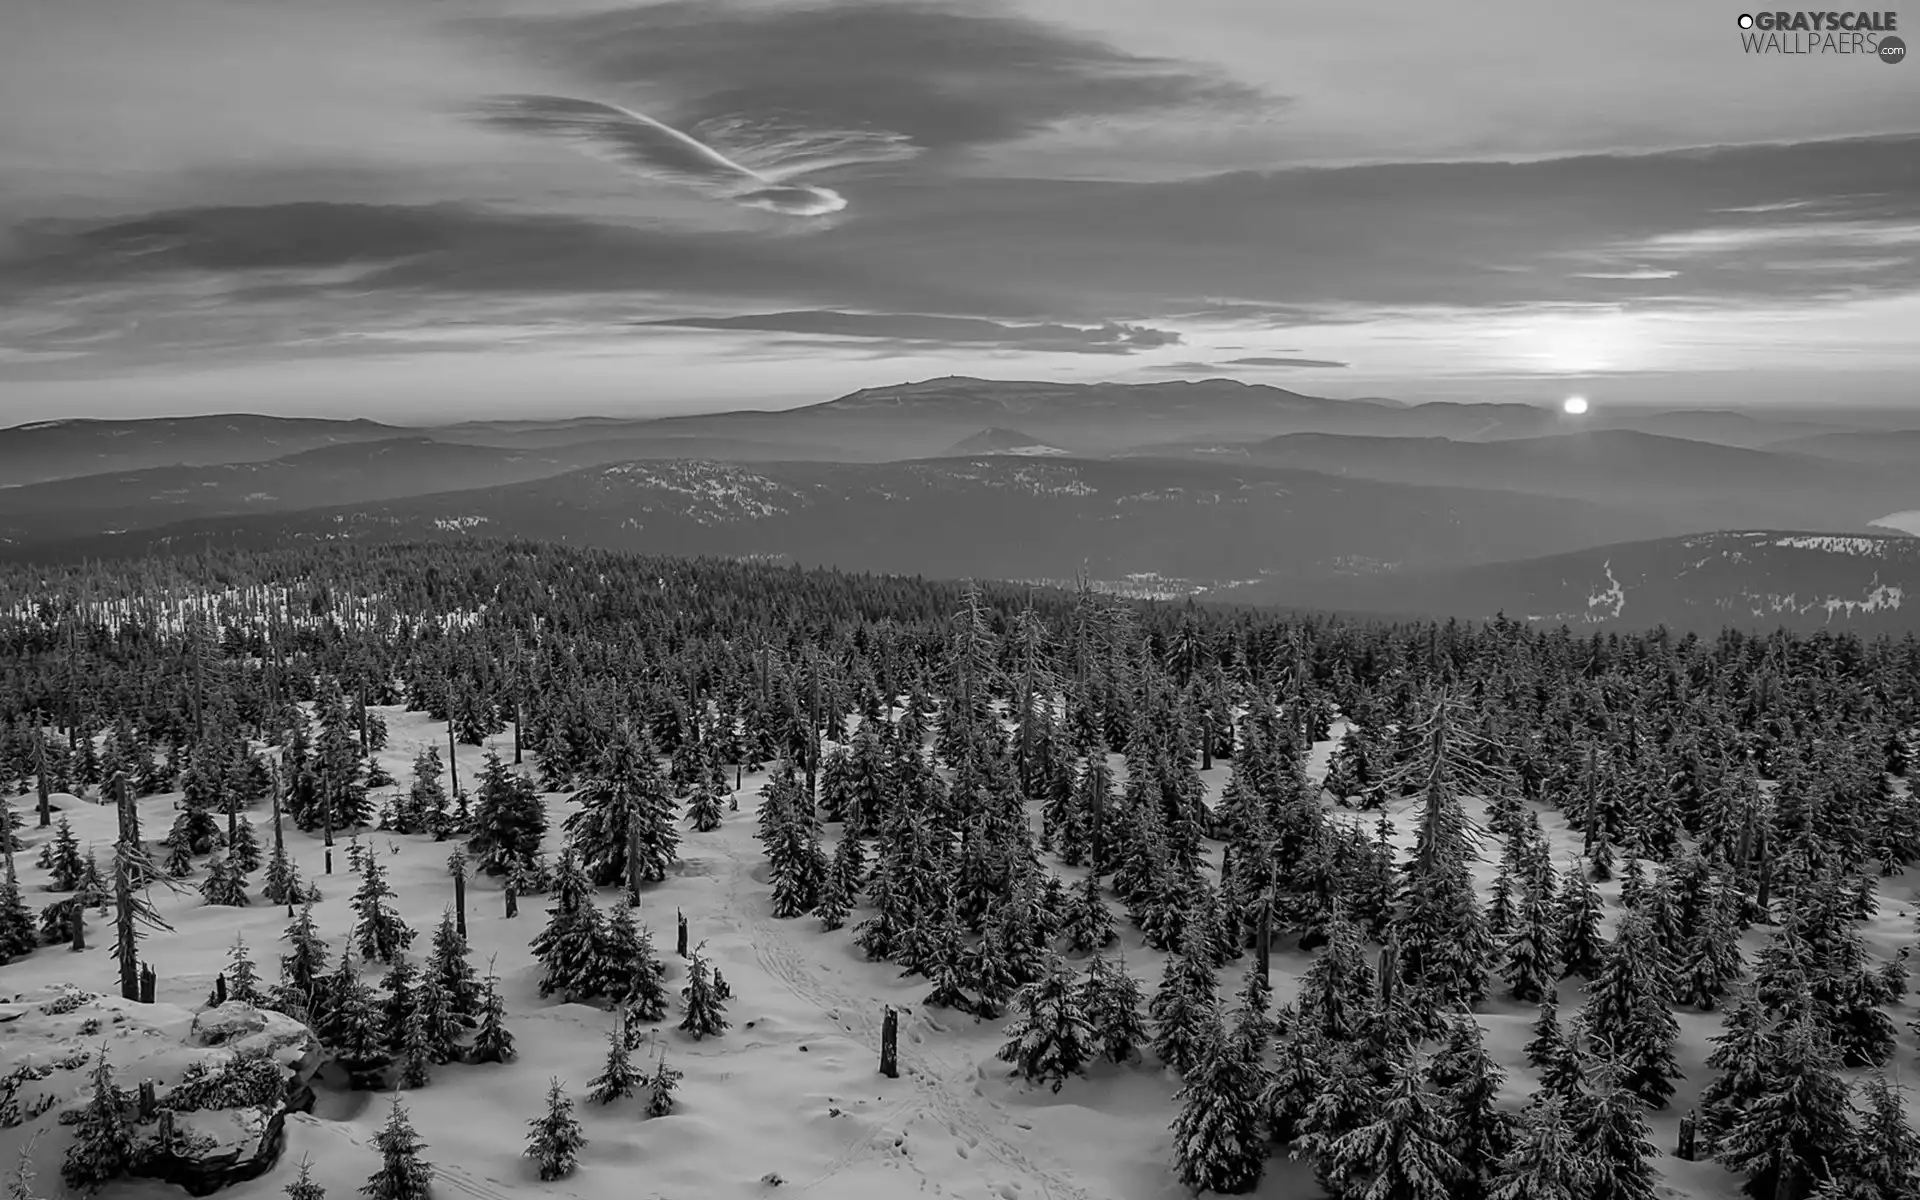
[(229, 1076)]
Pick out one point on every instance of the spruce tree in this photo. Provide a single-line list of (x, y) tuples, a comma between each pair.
[(1049, 1037), (556, 1140), (1741, 1055), (1089, 922), (705, 1014), (355, 1024), (1111, 998), (661, 1086), (1546, 1163), (303, 1186), (617, 1079), (509, 819), (491, 1041), (379, 930), (448, 965), (1610, 1126), (243, 976), (301, 989), (1183, 1010), (1710, 962), (570, 945), (626, 809), (703, 808), (222, 886), (103, 1145), (1582, 949), (1402, 1151), (403, 1174), (1531, 955), (1468, 1086), (1629, 1007), (1887, 1161), (1800, 1127), (1217, 1145), (18, 935)]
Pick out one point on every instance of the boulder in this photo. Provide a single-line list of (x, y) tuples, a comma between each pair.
[(222, 1082)]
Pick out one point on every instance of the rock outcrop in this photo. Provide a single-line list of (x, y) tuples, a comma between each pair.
[(209, 1092)]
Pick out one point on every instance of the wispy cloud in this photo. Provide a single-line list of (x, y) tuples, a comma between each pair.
[(920, 331)]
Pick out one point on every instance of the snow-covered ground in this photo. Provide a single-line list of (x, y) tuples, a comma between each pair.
[(792, 1088)]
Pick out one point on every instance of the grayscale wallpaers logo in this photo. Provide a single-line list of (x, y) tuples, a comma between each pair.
[(1868, 34)]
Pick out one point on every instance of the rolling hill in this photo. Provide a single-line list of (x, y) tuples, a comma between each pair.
[(1719, 487), (1891, 447), (1198, 525), (1002, 441), (1756, 578), (45, 450)]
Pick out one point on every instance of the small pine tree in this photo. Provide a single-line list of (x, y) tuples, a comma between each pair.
[(448, 965), (243, 850), (618, 1079), (556, 1140), (703, 808), (417, 1050), (1183, 1009), (102, 1147), (1531, 956), (380, 930), (1610, 1126), (403, 1174), (705, 1011), (491, 1041), (222, 885), (1888, 1158), (1111, 997), (1049, 1037), (1089, 922), (243, 976), (303, 1187), (1582, 949), (18, 935), (661, 1086)]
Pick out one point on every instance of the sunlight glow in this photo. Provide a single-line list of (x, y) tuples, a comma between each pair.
[(1574, 405)]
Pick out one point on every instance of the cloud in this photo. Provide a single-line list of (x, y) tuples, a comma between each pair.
[(652, 149), (920, 332), (1284, 362), (946, 79), (1234, 366)]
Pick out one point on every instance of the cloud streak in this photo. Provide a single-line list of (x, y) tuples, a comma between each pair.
[(655, 150), (920, 331)]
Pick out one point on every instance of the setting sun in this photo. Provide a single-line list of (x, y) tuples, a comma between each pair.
[(1574, 405)]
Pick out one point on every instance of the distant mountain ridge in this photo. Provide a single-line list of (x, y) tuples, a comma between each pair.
[(1868, 583)]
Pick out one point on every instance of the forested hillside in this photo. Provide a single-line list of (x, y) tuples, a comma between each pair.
[(1121, 898)]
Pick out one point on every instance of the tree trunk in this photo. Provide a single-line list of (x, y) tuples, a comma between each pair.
[(890, 1044), (1689, 1126), (1263, 944), (519, 715), (40, 771), (460, 902), (149, 983), (77, 924), (681, 940), (513, 902)]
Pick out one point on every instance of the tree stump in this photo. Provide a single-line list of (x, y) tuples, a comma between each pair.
[(77, 925), (1263, 944), (682, 946), (149, 982), (460, 901), (513, 901), (890, 1044), (149, 1100), (1689, 1135)]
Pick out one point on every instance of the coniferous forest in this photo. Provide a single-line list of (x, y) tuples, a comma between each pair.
[(748, 876)]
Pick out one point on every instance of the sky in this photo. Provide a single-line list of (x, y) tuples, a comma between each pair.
[(445, 209)]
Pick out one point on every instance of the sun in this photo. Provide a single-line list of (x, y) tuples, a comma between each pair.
[(1574, 405)]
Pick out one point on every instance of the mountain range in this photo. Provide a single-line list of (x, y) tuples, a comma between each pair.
[(1214, 487)]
